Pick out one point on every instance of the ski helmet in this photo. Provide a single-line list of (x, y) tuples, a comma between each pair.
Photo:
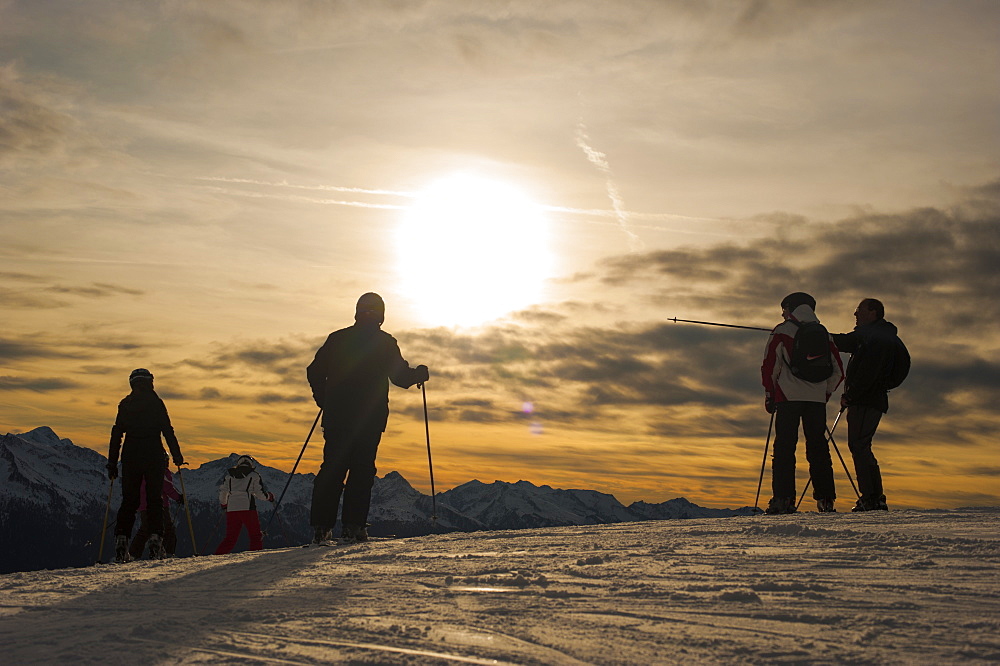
[(140, 374), (247, 461)]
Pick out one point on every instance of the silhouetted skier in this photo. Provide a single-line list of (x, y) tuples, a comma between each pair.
[(142, 419), (801, 369), (350, 381), (872, 346)]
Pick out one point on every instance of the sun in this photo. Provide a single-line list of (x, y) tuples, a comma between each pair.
[(472, 249)]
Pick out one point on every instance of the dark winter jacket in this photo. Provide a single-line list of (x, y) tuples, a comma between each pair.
[(872, 348), (350, 377), (142, 418)]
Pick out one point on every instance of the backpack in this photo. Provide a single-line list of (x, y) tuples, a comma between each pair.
[(811, 360), (899, 365)]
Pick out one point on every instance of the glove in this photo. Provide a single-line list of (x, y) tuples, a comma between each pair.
[(422, 374), (270, 497), (178, 461), (112, 471), (769, 404)]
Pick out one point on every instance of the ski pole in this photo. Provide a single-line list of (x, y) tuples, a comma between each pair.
[(430, 463), (104, 526), (767, 444), (846, 471), (829, 432), (712, 323), (292, 474), (187, 510)]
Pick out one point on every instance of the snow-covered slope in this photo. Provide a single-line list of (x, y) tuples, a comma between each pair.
[(906, 587)]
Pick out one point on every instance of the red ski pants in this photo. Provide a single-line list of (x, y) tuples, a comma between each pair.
[(235, 522)]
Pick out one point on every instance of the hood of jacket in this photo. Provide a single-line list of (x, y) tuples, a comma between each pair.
[(803, 314), (878, 327)]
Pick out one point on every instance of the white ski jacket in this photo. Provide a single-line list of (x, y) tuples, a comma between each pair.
[(240, 487)]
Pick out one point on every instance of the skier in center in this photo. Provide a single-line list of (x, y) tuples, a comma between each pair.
[(350, 378)]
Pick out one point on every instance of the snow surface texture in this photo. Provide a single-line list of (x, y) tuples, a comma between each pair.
[(887, 588)]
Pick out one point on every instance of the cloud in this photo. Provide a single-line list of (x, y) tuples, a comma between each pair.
[(37, 384), (937, 262), (936, 270), (29, 348), (29, 126), (34, 291), (95, 290), (271, 397)]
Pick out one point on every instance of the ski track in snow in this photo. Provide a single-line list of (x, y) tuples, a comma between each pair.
[(880, 588)]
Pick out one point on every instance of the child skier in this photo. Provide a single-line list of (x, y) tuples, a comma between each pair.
[(169, 533), (240, 489)]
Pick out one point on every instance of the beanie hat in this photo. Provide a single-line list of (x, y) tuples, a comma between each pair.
[(370, 302), (796, 299), (140, 374)]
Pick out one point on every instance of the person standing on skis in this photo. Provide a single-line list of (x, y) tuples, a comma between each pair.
[(872, 346), (238, 493), (142, 419), (349, 378), (801, 369)]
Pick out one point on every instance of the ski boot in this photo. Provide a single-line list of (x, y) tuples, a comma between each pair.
[(871, 504), (155, 545), (321, 535), (780, 505), (354, 533), (825, 506), (121, 549)]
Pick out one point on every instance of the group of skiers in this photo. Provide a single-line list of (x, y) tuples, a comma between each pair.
[(800, 372), (350, 376)]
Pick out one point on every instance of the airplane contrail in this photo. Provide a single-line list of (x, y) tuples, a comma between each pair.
[(298, 197), (326, 188), (623, 218), (599, 160)]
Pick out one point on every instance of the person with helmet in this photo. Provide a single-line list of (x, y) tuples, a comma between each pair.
[(142, 419), (349, 378), (801, 369), (240, 489)]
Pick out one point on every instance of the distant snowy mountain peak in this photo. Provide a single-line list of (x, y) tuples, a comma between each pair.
[(54, 494), (43, 435)]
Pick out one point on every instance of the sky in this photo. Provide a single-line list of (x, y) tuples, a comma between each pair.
[(205, 189)]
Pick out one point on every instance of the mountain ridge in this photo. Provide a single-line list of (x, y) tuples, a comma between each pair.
[(55, 492)]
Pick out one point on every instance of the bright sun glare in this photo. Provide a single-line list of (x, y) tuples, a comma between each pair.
[(472, 249)]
